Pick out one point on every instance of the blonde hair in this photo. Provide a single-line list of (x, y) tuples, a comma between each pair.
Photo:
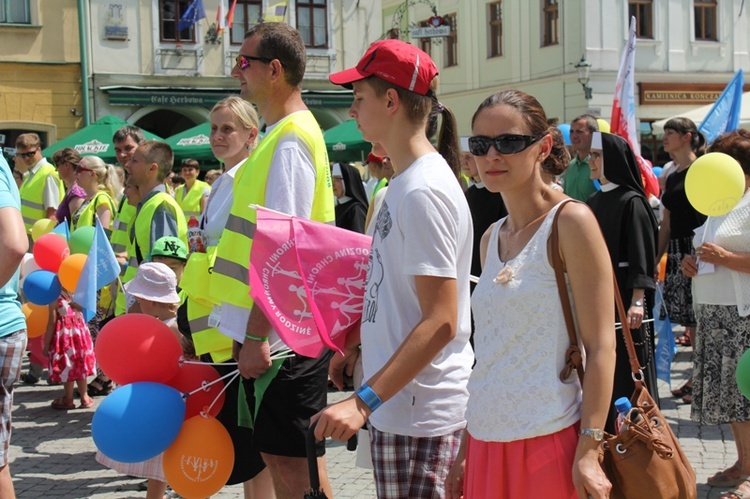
[(28, 140), (106, 175), (243, 111)]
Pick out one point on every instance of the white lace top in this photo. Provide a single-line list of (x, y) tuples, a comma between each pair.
[(520, 342)]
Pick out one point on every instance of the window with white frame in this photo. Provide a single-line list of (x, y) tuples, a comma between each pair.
[(705, 20), (494, 29), (170, 13), (246, 15), (15, 12), (312, 22)]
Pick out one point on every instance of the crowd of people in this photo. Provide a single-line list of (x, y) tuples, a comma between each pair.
[(462, 329)]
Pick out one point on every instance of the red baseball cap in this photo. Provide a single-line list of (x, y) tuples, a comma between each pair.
[(394, 61), (373, 158)]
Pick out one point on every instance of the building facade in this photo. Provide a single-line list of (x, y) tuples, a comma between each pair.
[(686, 52), (142, 68)]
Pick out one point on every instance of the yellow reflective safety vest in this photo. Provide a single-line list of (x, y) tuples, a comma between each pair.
[(123, 219), (32, 191), (190, 201), (194, 283), (140, 232), (86, 216), (229, 280)]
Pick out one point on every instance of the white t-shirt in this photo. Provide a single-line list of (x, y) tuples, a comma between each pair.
[(290, 189), (423, 229), (51, 191), (219, 205)]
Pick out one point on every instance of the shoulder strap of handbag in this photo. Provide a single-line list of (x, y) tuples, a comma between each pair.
[(573, 358)]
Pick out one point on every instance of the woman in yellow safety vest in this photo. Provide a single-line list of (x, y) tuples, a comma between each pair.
[(234, 135), (101, 183)]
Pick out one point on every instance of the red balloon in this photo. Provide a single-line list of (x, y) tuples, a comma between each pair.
[(137, 347), (50, 250), (190, 377)]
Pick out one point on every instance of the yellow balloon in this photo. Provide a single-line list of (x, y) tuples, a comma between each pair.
[(42, 227), (70, 270), (603, 125), (714, 184)]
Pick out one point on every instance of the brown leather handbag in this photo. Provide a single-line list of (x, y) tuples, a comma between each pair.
[(645, 459)]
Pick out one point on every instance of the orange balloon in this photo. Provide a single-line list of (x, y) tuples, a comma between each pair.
[(37, 317), (70, 270), (200, 460)]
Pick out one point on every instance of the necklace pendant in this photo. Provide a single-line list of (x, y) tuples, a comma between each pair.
[(504, 276)]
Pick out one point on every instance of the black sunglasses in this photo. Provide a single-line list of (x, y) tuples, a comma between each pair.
[(504, 144), (26, 154), (243, 61)]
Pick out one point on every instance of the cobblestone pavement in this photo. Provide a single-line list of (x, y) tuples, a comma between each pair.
[(52, 452)]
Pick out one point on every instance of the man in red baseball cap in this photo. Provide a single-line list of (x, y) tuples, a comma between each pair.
[(415, 325)]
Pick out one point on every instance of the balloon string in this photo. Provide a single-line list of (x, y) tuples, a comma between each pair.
[(198, 362), (205, 385), (235, 374)]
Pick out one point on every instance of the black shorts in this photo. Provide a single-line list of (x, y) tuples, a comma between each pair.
[(298, 392)]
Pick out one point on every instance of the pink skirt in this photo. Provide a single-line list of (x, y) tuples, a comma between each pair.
[(535, 467)]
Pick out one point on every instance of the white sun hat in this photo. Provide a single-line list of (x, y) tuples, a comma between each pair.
[(154, 282)]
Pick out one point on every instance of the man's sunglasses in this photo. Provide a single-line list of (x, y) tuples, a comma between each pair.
[(243, 61), (26, 154), (504, 144)]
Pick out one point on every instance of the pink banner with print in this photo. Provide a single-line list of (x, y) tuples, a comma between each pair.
[(276, 284), (333, 264), (309, 279)]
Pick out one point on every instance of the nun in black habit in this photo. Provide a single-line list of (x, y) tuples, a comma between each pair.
[(630, 230), (351, 199)]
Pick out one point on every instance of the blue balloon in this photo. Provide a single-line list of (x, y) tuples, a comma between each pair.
[(41, 287), (657, 170), (565, 129), (138, 421)]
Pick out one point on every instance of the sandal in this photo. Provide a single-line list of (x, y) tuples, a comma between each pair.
[(738, 493), (682, 391), (29, 379), (88, 402), (683, 340), (687, 399), (99, 387), (729, 477), (63, 404)]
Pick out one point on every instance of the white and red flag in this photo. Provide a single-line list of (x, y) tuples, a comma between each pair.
[(623, 111), (309, 280), (221, 19)]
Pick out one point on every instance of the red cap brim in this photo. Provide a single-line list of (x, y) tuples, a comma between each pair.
[(347, 77)]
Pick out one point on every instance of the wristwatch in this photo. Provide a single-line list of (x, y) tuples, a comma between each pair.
[(638, 303), (596, 433)]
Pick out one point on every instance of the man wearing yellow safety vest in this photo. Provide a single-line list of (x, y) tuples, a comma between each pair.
[(126, 141), (42, 189), (288, 172), (157, 214), (193, 195)]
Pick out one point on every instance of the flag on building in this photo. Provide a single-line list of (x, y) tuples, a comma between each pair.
[(230, 14), (623, 111), (100, 269), (276, 11), (221, 19), (724, 116), (194, 13), (309, 280)]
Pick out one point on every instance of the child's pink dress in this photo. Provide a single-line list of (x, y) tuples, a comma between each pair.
[(71, 353)]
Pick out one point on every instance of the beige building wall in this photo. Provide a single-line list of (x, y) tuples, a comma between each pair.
[(40, 74)]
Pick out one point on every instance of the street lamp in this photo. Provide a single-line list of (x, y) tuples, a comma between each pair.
[(583, 67)]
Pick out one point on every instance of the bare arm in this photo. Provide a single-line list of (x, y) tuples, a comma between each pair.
[(13, 242), (715, 254), (74, 204), (105, 215), (254, 357), (438, 302), (484, 243), (587, 261)]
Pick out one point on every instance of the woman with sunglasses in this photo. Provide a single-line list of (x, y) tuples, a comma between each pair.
[(630, 230), (101, 183), (66, 161), (528, 433)]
